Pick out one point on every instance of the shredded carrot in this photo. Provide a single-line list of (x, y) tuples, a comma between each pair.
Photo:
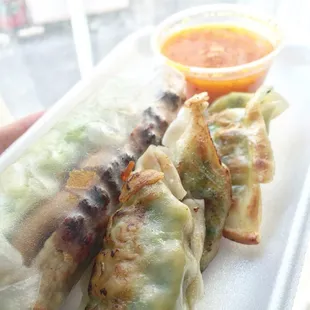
[(126, 173)]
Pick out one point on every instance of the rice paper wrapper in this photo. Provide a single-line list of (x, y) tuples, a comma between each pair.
[(18, 284), (56, 197)]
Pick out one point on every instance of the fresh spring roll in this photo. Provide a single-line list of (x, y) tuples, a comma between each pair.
[(101, 121), (148, 261), (238, 123), (106, 177), (39, 174), (107, 162), (202, 173)]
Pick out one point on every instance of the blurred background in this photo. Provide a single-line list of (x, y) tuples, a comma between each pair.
[(46, 46)]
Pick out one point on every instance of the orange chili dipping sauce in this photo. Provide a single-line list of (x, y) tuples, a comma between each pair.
[(218, 46)]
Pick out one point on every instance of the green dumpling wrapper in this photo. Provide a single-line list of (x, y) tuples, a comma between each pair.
[(201, 171), (147, 261), (239, 124)]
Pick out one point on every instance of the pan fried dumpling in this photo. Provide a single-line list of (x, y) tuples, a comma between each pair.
[(147, 262), (158, 158), (242, 141), (233, 100), (272, 103), (202, 173), (197, 207), (244, 219), (155, 158)]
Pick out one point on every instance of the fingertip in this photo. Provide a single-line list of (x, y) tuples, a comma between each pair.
[(11, 132)]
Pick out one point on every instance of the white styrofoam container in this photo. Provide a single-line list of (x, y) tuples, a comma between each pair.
[(240, 277)]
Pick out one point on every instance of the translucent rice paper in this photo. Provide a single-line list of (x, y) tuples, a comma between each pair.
[(38, 200), (104, 120), (18, 284)]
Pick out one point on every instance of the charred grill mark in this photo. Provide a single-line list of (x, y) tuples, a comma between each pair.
[(76, 235), (99, 195), (115, 165), (163, 126), (72, 227), (88, 207), (74, 223), (148, 137), (149, 134), (107, 174), (111, 180), (125, 158), (151, 130), (151, 116), (103, 292), (98, 199), (171, 99), (114, 252), (115, 189)]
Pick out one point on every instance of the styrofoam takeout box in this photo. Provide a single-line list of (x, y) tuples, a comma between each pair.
[(240, 277)]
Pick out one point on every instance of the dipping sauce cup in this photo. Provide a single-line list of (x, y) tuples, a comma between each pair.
[(219, 48)]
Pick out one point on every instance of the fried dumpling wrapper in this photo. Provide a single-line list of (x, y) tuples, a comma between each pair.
[(155, 158), (18, 284), (197, 207), (202, 173), (242, 141), (239, 123), (159, 159), (272, 103), (243, 222), (147, 262), (244, 218)]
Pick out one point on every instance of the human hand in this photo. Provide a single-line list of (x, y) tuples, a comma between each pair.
[(9, 133)]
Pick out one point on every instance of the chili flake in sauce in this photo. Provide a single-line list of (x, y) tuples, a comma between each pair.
[(216, 46)]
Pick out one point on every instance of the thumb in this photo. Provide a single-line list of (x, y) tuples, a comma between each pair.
[(11, 132)]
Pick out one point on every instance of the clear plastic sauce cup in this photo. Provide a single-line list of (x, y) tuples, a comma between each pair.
[(221, 80)]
